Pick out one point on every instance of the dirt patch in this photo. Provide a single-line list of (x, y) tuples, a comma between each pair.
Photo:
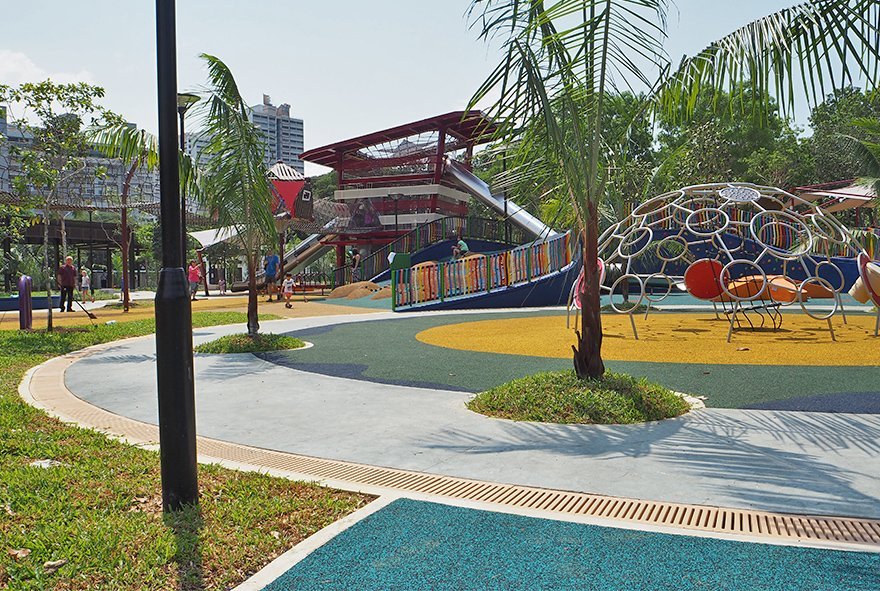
[(345, 291), (383, 293)]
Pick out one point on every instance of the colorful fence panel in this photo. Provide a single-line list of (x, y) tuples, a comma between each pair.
[(430, 282), (428, 234)]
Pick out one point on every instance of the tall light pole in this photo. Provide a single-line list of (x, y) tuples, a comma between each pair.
[(184, 101), (174, 355), (395, 197)]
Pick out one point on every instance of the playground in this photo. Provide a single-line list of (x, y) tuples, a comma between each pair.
[(754, 303)]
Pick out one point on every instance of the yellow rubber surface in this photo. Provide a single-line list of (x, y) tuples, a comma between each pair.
[(674, 338)]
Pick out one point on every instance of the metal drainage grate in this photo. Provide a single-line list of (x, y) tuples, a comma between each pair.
[(46, 388)]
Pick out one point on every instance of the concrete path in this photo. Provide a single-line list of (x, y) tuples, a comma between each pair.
[(769, 460)]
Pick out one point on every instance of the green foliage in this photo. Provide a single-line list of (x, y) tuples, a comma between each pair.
[(324, 185), (560, 397), (831, 122), (234, 182), (243, 343), (563, 61)]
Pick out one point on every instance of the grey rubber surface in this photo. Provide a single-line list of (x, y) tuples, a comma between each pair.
[(799, 462)]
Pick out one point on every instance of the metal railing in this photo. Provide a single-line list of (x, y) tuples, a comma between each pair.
[(429, 233), (478, 274)]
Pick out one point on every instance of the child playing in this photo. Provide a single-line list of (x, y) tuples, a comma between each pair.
[(287, 290), (85, 285)]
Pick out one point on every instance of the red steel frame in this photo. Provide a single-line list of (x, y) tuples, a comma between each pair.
[(468, 128)]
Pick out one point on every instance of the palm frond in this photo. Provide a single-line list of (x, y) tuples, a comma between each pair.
[(234, 184), (794, 51), (127, 143)]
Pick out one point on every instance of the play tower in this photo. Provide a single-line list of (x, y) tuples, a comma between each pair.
[(393, 180)]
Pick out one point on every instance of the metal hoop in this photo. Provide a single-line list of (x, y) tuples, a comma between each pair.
[(775, 251), (627, 241), (824, 283), (770, 292), (668, 289), (839, 274), (725, 271), (627, 276), (670, 239), (649, 207), (715, 231), (831, 223)]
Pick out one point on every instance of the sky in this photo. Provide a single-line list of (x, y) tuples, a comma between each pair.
[(346, 67)]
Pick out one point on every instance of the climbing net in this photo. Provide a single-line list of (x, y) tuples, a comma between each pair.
[(745, 246)]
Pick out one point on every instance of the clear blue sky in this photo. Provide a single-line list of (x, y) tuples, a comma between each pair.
[(347, 67)]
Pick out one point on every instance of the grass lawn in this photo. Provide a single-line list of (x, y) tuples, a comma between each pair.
[(243, 343), (94, 519), (560, 397)]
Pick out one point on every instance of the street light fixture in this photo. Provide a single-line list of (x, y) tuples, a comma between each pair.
[(185, 100), (174, 354)]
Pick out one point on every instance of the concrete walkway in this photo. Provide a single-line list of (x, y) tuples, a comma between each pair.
[(768, 460)]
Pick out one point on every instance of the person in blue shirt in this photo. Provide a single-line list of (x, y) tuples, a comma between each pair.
[(271, 266)]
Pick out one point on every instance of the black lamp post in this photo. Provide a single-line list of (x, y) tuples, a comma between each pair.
[(184, 101), (174, 356), (395, 197)]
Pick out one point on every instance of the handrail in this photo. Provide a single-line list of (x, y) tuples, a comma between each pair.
[(479, 274), (429, 233)]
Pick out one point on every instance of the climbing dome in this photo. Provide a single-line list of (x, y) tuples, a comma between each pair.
[(744, 246)]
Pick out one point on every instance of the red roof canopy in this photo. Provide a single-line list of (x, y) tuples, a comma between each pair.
[(469, 127)]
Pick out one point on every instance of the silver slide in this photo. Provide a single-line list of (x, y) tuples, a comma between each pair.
[(297, 257), (480, 190)]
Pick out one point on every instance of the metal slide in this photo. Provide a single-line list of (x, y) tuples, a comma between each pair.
[(481, 192), (299, 256)]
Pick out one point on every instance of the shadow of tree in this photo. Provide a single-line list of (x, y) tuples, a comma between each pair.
[(778, 461)]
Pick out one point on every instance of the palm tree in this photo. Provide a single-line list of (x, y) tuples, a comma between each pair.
[(138, 149), (563, 59), (234, 183)]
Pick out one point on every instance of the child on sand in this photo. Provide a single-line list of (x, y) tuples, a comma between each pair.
[(287, 290)]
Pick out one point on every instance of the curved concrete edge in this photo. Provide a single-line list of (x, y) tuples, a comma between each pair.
[(43, 387)]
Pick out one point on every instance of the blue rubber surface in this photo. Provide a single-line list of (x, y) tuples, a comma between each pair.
[(415, 545)]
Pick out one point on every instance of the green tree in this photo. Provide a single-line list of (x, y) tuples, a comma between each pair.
[(234, 183), (54, 155), (866, 152), (831, 121), (562, 58), (138, 149), (323, 186)]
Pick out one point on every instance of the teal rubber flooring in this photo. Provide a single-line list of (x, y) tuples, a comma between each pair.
[(412, 545)]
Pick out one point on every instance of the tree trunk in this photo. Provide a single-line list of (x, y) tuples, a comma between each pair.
[(253, 325), (588, 351), (63, 236), (124, 247), (50, 272), (123, 201)]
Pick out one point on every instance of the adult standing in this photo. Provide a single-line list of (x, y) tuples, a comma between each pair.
[(355, 265), (271, 266), (194, 275), (67, 283)]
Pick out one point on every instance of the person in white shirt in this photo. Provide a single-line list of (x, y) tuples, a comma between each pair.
[(85, 285), (287, 290)]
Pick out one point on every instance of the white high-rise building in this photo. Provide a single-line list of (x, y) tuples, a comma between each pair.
[(282, 135)]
